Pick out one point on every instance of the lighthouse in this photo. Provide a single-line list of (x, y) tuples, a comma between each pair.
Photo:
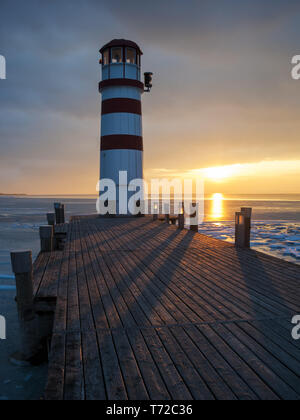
[(121, 116)]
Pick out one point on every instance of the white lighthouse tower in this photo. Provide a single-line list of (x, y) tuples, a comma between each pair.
[(121, 119)]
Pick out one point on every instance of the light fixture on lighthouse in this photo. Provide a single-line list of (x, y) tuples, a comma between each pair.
[(148, 77)]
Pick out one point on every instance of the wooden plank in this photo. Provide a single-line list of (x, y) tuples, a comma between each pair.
[(93, 374), (94, 388), (122, 314), (215, 382), (39, 268), (56, 369), (193, 241), (240, 388), (114, 383), (97, 306), (85, 310), (49, 286), (204, 302), (221, 285), (248, 259), (164, 285), (153, 380), (74, 382), (194, 382), (142, 305), (73, 314), (259, 388), (269, 360), (192, 263), (102, 277), (281, 349), (284, 329), (174, 382), (266, 371), (60, 321), (132, 377)]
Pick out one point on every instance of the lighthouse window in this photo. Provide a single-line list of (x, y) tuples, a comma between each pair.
[(116, 55), (130, 56), (106, 57)]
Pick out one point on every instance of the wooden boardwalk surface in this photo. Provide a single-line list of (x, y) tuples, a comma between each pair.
[(146, 311)]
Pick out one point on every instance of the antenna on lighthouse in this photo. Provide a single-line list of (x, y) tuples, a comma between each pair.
[(148, 81)]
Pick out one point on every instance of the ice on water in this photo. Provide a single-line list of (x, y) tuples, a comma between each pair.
[(281, 239)]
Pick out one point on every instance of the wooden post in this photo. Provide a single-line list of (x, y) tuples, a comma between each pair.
[(247, 212), (181, 221), (240, 230), (62, 213), (51, 219), (57, 212), (22, 267), (243, 228), (47, 238)]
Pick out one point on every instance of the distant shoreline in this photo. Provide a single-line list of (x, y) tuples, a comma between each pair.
[(13, 195)]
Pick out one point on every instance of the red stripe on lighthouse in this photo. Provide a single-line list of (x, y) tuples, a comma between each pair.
[(121, 82), (121, 142), (131, 106)]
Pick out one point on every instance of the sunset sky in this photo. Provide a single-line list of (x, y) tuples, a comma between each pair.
[(223, 105)]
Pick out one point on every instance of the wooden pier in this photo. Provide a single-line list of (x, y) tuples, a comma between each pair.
[(146, 311)]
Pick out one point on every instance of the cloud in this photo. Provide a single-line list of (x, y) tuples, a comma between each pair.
[(222, 87)]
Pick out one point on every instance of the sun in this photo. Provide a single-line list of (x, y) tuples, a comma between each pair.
[(218, 197)]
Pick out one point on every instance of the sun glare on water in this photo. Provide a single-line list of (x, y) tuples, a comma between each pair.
[(217, 210)]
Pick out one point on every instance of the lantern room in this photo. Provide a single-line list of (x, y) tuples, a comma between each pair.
[(121, 59)]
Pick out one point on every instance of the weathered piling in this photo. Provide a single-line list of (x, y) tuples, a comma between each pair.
[(47, 238), (59, 213), (247, 211), (243, 228), (62, 213), (181, 221), (23, 270), (51, 219)]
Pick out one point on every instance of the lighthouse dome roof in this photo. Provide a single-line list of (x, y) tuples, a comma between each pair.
[(121, 43)]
